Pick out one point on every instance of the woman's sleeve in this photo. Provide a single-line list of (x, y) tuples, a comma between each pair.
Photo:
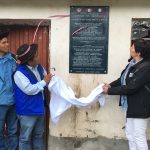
[(115, 83), (136, 83)]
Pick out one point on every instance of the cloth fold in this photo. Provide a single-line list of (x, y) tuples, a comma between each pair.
[(63, 97)]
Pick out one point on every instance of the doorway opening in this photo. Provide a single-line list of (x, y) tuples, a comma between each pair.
[(22, 32)]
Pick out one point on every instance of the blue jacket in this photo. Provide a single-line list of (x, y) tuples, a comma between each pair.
[(29, 104), (7, 68)]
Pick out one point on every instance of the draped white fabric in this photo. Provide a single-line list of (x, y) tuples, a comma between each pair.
[(63, 97)]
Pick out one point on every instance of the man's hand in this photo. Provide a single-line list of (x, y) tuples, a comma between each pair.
[(48, 77)]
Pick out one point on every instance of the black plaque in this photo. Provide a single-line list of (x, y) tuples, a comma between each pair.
[(88, 39), (141, 28)]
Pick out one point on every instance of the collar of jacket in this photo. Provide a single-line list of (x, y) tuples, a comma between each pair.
[(7, 56), (141, 64)]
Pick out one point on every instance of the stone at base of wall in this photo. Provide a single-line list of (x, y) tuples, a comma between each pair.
[(99, 143)]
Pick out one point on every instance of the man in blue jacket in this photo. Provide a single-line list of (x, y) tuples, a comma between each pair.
[(30, 81), (8, 117)]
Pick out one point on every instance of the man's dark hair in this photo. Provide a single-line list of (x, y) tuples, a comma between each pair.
[(29, 55), (3, 33)]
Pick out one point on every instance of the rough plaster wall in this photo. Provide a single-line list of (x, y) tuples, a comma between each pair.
[(93, 121)]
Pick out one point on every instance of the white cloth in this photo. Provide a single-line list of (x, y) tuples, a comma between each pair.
[(136, 133), (63, 97)]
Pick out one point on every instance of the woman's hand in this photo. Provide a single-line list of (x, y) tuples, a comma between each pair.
[(105, 88)]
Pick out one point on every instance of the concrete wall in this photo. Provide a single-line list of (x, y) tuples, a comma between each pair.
[(95, 121)]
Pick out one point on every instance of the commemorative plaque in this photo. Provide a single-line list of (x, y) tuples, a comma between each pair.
[(89, 39)]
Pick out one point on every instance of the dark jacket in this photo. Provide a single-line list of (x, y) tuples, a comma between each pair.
[(136, 89)]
